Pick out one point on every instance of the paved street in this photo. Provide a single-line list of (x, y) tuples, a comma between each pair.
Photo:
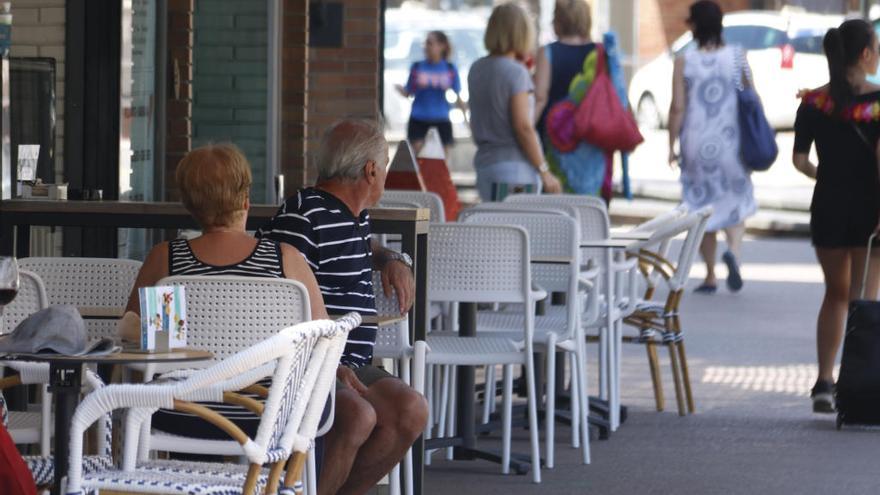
[(751, 356)]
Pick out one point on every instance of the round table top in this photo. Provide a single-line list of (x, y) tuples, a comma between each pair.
[(123, 357)]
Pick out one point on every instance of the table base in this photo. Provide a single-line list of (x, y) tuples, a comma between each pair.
[(65, 380)]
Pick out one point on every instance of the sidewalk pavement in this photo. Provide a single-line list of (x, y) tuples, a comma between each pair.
[(752, 363)]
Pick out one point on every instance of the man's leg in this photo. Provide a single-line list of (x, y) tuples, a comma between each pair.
[(353, 424), (401, 415)]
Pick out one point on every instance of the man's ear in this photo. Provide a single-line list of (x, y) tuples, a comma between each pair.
[(370, 171), (247, 203)]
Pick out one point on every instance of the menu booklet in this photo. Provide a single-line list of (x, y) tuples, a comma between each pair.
[(163, 318)]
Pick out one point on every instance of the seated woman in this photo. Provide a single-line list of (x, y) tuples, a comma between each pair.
[(214, 182)]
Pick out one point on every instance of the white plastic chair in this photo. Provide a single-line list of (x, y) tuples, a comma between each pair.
[(423, 199), (302, 362), (486, 264), (658, 321), (553, 238), (103, 283), (226, 314), (28, 427)]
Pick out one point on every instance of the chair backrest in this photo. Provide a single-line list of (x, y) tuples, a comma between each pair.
[(87, 282), (569, 199), (520, 207), (478, 263), (31, 298), (226, 314), (694, 225), (424, 199), (553, 238), (388, 338)]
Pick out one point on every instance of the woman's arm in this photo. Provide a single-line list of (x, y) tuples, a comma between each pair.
[(542, 83), (677, 107), (295, 268), (154, 269), (527, 137), (805, 166)]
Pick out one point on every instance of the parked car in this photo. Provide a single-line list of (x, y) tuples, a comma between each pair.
[(784, 50), (405, 32)]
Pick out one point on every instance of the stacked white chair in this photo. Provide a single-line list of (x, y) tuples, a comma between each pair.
[(301, 361), (103, 283), (553, 238), (658, 321), (596, 226), (486, 264)]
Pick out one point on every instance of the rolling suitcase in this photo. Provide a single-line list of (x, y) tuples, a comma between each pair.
[(857, 394)]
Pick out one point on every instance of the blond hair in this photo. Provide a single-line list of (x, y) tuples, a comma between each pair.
[(572, 18), (509, 30), (214, 181)]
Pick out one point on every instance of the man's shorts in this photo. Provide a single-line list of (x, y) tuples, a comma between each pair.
[(368, 375)]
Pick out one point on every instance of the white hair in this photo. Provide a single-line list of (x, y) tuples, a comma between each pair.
[(347, 146)]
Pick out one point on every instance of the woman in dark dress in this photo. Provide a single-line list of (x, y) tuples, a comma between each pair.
[(843, 119)]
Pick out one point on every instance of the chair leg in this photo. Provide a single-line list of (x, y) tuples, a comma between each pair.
[(432, 400), (580, 361), (450, 415), (274, 478), (250, 482), (550, 412), (654, 365), (575, 385), (533, 419), (506, 418), (294, 472), (394, 480), (488, 393), (686, 377), (603, 362), (311, 474), (676, 378)]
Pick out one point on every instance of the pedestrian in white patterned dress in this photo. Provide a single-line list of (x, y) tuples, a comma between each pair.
[(704, 116)]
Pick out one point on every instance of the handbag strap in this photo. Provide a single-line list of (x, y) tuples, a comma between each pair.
[(867, 264), (742, 68), (601, 63)]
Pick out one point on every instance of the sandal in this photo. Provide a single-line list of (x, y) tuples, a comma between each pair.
[(707, 289), (734, 278)]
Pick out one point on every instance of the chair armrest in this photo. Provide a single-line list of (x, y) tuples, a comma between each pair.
[(214, 418), (537, 293), (31, 373), (256, 389), (251, 405)]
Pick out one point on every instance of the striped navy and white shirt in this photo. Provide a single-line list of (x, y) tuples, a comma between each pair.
[(336, 245)]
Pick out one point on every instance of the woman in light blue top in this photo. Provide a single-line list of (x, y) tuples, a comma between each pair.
[(502, 104)]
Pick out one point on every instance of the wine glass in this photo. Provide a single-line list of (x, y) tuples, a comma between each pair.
[(8, 280)]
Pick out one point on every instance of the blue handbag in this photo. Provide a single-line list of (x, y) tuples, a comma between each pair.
[(757, 140)]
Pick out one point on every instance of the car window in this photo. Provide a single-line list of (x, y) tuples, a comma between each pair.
[(754, 37)]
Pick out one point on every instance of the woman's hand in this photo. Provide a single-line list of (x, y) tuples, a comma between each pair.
[(400, 89), (673, 158), (551, 183)]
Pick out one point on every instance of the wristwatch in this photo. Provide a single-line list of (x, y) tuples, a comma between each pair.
[(401, 257), (543, 168)]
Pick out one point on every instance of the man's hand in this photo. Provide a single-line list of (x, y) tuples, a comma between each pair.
[(551, 184), (349, 379), (396, 275)]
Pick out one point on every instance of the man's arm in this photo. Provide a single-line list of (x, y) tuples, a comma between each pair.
[(396, 274)]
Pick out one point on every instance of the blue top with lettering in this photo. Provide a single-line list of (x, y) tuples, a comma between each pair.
[(428, 83)]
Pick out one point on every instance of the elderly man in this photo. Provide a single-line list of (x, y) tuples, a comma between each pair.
[(377, 416)]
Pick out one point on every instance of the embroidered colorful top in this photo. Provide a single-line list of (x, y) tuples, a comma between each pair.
[(863, 111)]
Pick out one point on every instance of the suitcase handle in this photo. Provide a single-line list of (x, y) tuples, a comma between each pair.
[(867, 264)]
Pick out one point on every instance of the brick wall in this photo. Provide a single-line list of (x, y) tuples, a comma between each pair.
[(344, 82), (294, 93), (230, 80), (178, 108), (38, 31)]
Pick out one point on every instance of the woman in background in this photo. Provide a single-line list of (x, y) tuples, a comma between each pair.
[(502, 109), (842, 119), (429, 81), (703, 114), (560, 75)]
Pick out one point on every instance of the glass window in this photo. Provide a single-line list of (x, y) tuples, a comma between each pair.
[(754, 37)]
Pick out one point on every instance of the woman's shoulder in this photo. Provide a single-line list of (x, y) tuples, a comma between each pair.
[(864, 108)]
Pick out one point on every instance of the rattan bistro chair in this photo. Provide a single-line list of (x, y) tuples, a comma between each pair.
[(658, 322), (302, 362)]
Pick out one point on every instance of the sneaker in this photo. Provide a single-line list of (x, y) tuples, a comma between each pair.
[(734, 278), (823, 397)]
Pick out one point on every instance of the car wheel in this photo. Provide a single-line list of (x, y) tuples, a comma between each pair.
[(647, 114)]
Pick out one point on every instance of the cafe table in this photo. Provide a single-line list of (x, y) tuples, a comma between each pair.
[(65, 382)]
